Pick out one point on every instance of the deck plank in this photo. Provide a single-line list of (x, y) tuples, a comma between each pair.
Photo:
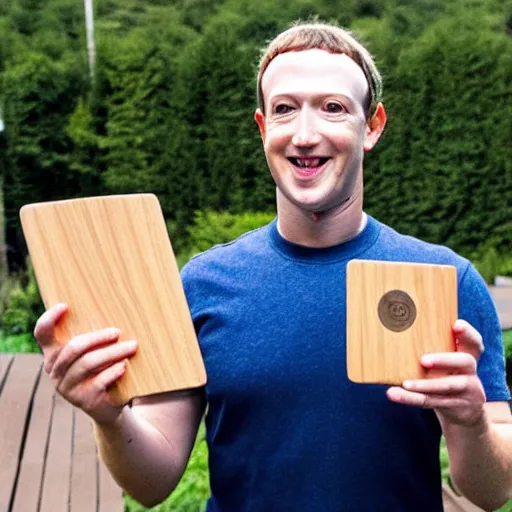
[(84, 471), (28, 491), (15, 402), (55, 495), (5, 363)]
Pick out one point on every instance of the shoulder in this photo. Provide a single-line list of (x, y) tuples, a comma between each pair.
[(230, 258), (395, 246)]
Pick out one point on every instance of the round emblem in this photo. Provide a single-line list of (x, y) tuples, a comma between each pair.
[(397, 310)]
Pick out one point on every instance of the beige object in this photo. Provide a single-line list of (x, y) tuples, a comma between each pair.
[(397, 312), (110, 259)]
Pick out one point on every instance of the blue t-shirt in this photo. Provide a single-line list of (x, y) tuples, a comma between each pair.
[(286, 429)]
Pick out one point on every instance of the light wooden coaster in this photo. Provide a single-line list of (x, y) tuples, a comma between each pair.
[(397, 312), (110, 259)]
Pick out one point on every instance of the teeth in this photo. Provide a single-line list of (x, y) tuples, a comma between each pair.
[(309, 162)]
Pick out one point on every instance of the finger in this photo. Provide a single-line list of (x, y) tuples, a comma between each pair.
[(450, 362), (96, 361), (44, 333), (455, 384), (94, 398), (79, 346), (108, 377), (468, 339), (404, 397)]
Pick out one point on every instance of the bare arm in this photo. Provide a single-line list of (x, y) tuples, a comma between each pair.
[(146, 446), (478, 434), (481, 457)]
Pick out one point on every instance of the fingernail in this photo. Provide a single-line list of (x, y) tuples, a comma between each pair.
[(427, 361), (458, 325), (114, 332), (131, 344)]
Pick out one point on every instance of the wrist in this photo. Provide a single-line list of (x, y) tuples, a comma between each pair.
[(477, 426), (109, 421), (106, 414)]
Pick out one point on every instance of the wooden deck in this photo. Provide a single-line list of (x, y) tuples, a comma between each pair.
[(47, 448)]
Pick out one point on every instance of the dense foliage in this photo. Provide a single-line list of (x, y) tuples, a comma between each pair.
[(171, 104)]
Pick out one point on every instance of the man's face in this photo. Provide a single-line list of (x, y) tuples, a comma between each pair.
[(314, 129)]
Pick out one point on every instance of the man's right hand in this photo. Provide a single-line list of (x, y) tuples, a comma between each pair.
[(84, 368)]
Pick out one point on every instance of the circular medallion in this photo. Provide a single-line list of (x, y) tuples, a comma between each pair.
[(397, 310)]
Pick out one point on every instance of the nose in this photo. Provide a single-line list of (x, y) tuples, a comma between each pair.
[(307, 134)]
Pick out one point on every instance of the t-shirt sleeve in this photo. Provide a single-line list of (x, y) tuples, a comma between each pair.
[(476, 306)]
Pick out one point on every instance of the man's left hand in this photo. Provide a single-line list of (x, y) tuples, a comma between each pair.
[(458, 396)]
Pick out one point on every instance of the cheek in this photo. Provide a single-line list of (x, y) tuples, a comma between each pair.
[(345, 140), (345, 136), (277, 139)]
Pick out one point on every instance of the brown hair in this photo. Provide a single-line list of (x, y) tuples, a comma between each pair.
[(309, 36)]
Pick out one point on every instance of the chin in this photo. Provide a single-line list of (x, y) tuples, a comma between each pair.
[(312, 206), (323, 206)]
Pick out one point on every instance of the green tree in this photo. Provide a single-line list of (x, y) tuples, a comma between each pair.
[(39, 94), (140, 125), (444, 173)]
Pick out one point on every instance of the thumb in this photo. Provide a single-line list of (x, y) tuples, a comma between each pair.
[(467, 339), (47, 330)]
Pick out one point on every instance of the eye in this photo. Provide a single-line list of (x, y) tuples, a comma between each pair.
[(282, 108), (334, 108)]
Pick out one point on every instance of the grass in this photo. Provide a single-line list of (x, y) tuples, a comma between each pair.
[(18, 343), (507, 342)]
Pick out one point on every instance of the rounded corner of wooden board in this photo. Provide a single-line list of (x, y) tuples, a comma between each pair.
[(354, 263), (150, 196), (354, 379), (25, 210)]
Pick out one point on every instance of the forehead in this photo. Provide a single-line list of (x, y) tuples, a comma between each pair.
[(311, 72)]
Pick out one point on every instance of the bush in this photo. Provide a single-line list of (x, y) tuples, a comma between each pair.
[(23, 305), (491, 264), (18, 343), (7, 284), (507, 342)]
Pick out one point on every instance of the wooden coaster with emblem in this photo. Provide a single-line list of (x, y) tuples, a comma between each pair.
[(110, 259), (397, 312)]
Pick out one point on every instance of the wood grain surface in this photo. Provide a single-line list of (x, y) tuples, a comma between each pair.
[(110, 259), (377, 353)]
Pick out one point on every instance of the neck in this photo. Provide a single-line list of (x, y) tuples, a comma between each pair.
[(321, 229)]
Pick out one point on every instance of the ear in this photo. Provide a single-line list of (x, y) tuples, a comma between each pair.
[(374, 127), (260, 121)]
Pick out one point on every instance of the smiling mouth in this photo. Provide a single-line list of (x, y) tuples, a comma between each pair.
[(309, 162)]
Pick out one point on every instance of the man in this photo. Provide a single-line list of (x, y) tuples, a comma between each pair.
[(286, 429)]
